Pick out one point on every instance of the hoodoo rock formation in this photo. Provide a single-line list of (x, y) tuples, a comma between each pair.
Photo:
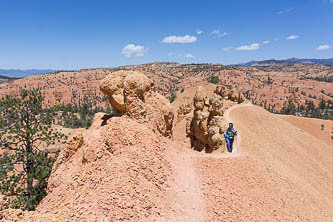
[(183, 110), (131, 93), (232, 94), (207, 126)]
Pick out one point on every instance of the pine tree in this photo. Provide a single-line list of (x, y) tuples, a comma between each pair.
[(25, 128), (322, 104)]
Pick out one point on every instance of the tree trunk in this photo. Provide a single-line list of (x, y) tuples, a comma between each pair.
[(29, 178)]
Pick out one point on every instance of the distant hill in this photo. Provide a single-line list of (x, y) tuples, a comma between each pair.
[(24, 73), (288, 61), (8, 78)]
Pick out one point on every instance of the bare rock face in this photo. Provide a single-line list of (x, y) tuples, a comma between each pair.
[(216, 106), (130, 93), (183, 110), (222, 91), (125, 87), (206, 128), (230, 94), (233, 95), (199, 100)]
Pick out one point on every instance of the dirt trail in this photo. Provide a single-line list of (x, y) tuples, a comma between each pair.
[(185, 195), (275, 174), (283, 174), (229, 120)]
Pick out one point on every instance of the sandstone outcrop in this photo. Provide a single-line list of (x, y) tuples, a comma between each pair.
[(183, 110), (230, 94), (206, 128), (222, 91), (130, 93)]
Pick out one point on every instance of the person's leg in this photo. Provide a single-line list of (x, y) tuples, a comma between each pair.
[(231, 143), (228, 144)]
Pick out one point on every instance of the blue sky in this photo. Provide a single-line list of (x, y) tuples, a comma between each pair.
[(65, 34)]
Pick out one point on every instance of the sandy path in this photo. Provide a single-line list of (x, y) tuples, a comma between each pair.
[(281, 175), (284, 176), (186, 194), (228, 119)]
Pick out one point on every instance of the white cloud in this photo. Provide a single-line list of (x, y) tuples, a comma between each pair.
[(170, 54), (286, 11), (323, 47), (132, 49), (251, 47), (199, 31), (179, 39), (140, 54), (189, 55), (218, 34), (226, 49), (292, 37), (265, 42)]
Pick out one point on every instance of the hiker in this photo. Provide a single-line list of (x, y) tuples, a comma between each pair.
[(229, 135)]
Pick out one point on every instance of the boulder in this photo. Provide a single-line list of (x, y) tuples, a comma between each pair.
[(183, 110), (113, 87), (222, 91), (130, 93), (199, 100), (216, 106), (233, 95)]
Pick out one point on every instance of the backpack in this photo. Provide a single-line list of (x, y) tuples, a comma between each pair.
[(231, 133)]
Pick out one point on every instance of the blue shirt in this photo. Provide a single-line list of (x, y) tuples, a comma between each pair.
[(230, 133)]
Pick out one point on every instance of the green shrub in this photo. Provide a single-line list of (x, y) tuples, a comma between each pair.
[(214, 79)]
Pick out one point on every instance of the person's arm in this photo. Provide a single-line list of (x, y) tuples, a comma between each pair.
[(226, 134)]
